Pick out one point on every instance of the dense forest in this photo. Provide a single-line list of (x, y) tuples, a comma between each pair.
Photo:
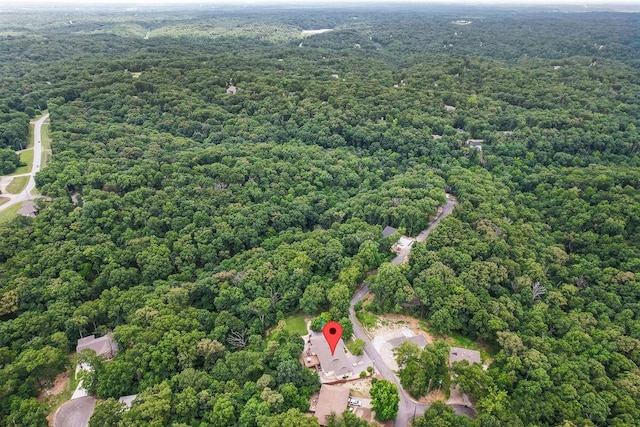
[(189, 221)]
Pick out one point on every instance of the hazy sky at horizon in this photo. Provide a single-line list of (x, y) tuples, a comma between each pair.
[(323, 2)]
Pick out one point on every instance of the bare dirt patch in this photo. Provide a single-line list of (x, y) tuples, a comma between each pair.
[(434, 396), (60, 384), (393, 322)]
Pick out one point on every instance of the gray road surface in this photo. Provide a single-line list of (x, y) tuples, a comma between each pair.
[(37, 157), (75, 413), (408, 406)]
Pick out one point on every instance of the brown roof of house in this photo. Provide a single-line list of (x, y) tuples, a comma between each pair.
[(103, 346), (336, 363), (331, 399), (457, 354), (28, 208)]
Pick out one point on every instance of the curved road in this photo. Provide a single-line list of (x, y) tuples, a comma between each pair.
[(408, 407), (37, 157)]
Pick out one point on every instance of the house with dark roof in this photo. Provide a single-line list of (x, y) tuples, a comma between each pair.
[(104, 346), (332, 399), (388, 231)]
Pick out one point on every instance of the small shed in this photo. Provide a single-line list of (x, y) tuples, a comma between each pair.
[(231, 90)]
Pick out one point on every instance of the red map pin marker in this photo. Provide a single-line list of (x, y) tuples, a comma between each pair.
[(332, 332)]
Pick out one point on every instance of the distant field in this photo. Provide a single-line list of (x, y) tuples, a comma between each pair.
[(18, 184), (10, 213), (25, 157)]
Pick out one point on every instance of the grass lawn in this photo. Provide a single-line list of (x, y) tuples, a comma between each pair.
[(10, 213), (18, 184), (296, 324), (46, 138), (367, 319), (355, 346), (25, 157), (32, 126), (459, 340)]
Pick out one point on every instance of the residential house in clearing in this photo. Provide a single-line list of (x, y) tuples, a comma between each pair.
[(336, 365), (331, 399), (231, 90), (104, 346)]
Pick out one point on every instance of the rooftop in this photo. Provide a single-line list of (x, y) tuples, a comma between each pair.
[(388, 231), (458, 354), (28, 208), (336, 364), (103, 346), (331, 399), (418, 340), (128, 400)]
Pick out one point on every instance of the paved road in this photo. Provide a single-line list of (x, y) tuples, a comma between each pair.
[(75, 413), (408, 406), (37, 157), (446, 210)]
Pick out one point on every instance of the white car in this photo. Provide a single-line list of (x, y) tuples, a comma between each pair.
[(354, 402)]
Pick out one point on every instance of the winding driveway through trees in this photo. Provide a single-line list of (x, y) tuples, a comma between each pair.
[(408, 407), (35, 168)]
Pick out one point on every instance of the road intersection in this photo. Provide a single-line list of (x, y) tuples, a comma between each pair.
[(31, 185)]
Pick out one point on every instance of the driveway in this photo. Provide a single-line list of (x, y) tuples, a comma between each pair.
[(75, 413)]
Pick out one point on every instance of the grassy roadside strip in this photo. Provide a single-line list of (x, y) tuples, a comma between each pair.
[(10, 213), (17, 184)]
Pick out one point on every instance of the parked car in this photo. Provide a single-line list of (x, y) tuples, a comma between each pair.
[(354, 402)]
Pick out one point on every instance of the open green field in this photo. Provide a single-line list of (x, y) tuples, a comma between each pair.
[(25, 157), (10, 213), (296, 324), (18, 184)]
